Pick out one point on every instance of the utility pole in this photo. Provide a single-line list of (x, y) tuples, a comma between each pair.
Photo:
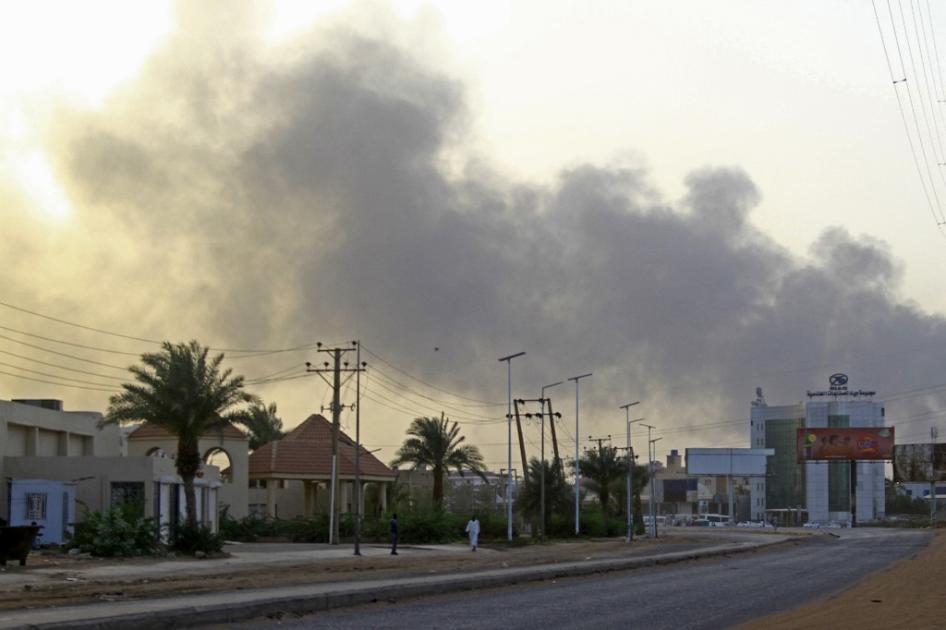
[(542, 401), (360, 366), (522, 446), (600, 440), (934, 433), (577, 461), (630, 468), (336, 369), (552, 416), (508, 359)]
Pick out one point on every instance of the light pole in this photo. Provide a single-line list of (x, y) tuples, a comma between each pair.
[(577, 463), (650, 468), (630, 468), (653, 492), (542, 473), (508, 360)]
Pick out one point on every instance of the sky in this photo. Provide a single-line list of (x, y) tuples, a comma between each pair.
[(687, 200)]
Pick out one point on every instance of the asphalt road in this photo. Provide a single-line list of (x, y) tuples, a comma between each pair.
[(705, 594)]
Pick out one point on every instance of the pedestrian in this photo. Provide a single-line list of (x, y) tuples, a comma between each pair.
[(394, 534), (473, 530)]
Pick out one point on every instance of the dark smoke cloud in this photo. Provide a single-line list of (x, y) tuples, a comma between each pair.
[(266, 196)]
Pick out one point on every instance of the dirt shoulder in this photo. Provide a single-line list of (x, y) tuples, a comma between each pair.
[(908, 594), (63, 581)]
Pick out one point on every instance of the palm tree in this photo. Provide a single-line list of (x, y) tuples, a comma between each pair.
[(602, 470), (558, 493), (183, 391), (262, 423), (437, 444)]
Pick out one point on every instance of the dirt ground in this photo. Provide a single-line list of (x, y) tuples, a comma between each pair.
[(909, 594), (64, 587)]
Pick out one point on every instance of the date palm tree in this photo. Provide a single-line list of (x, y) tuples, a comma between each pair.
[(185, 392), (262, 423), (437, 444), (603, 470)]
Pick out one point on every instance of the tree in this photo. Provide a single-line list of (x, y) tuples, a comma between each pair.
[(603, 470), (183, 391), (262, 423), (438, 445), (558, 493)]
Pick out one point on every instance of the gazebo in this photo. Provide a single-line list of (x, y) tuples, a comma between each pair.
[(291, 477)]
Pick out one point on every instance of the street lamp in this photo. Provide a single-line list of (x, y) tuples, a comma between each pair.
[(630, 468), (653, 495), (542, 473), (577, 463), (508, 360)]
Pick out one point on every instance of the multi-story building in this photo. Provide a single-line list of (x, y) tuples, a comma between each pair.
[(820, 488)]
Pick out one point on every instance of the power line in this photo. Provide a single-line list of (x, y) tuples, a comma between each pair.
[(430, 385), (60, 367), (250, 352), (906, 127), (64, 378), (29, 378), (63, 354)]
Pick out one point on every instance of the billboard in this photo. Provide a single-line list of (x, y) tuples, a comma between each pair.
[(919, 462), (741, 462), (862, 443)]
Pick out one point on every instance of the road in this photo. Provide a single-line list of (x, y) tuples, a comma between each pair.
[(706, 594)]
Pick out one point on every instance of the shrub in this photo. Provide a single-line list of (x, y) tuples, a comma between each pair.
[(116, 533), (190, 539)]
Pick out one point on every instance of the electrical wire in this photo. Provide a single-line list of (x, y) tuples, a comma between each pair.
[(29, 378), (430, 385)]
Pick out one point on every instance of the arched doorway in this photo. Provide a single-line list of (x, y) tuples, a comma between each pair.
[(220, 458)]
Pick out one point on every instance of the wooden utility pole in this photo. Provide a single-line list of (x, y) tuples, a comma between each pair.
[(522, 446)]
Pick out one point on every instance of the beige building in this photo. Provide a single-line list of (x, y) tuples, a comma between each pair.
[(291, 477), (41, 441), (226, 449)]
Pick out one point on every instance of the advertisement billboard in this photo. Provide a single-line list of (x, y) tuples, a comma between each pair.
[(862, 443), (740, 462), (919, 462)]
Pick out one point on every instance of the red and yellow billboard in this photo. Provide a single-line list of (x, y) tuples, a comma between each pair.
[(845, 444)]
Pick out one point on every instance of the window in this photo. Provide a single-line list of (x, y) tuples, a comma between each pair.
[(36, 506), (129, 494), (257, 483)]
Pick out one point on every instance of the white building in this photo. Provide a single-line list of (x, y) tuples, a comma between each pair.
[(820, 487)]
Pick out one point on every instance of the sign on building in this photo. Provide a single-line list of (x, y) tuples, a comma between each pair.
[(846, 444)]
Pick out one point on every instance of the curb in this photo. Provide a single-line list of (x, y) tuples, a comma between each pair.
[(302, 604)]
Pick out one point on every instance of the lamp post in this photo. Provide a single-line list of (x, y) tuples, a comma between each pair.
[(542, 473), (508, 359), (577, 463), (630, 468), (653, 492)]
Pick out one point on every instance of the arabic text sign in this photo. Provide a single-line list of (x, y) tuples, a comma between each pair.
[(864, 443)]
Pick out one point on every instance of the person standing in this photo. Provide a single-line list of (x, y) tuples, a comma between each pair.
[(473, 530), (394, 534)]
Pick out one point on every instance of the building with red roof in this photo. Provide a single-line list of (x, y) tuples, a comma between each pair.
[(291, 477)]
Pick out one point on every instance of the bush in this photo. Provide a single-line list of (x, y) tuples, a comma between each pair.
[(190, 539), (116, 533)]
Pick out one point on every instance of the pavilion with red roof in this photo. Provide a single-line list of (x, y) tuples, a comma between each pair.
[(286, 476)]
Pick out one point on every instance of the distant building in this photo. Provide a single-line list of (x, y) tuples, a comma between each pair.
[(820, 488)]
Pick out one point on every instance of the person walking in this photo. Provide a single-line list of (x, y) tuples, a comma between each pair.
[(394, 534), (473, 530)]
